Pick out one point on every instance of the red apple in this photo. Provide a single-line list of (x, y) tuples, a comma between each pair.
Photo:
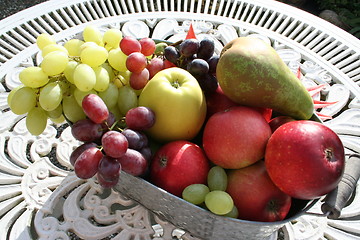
[(177, 165), (276, 122), (305, 159), (236, 137), (217, 102), (255, 195)]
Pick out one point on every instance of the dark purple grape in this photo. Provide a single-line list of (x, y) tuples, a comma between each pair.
[(171, 54), (109, 168), (86, 130), (114, 144), (133, 162), (76, 153), (146, 152), (86, 165), (136, 139), (106, 183), (140, 118), (213, 61), (189, 47), (208, 83), (198, 67), (206, 49)]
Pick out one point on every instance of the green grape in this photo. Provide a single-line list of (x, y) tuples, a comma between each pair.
[(234, 213), (69, 71), (43, 40), (126, 75), (219, 202), (52, 48), (33, 77), (94, 56), (71, 109), (79, 95), (195, 193), (110, 95), (84, 77), (73, 46), (112, 38), (54, 63), (12, 92), (56, 113), (117, 59), (50, 96), (115, 110), (127, 99), (23, 100), (92, 34), (217, 179), (58, 120), (36, 121), (159, 48), (102, 79), (110, 71), (120, 81)]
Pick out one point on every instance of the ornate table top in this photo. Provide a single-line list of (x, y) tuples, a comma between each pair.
[(43, 199)]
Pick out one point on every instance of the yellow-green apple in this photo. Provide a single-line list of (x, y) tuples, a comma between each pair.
[(236, 137), (305, 159), (178, 164), (178, 103), (256, 196)]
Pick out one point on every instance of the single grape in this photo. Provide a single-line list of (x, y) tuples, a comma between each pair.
[(73, 46), (139, 80), (195, 193), (217, 179), (36, 121), (198, 67), (50, 96), (114, 144), (94, 56), (112, 38), (159, 48), (208, 83), (78, 150), (92, 34), (56, 113), (130, 44), (44, 39), (54, 63), (171, 54), (22, 100), (219, 202), (155, 66), (168, 64), (33, 77), (117, 59), (107, 183), (206, 48), (110, 95), (133, 162), (147, 46), (127, 99), (213, 61), (80, 95), (72, 110), (86, 130), (189, 47), (84, 77), (136, 139), (69, 71), (86, 165), (110, 70), (95, 108), (52, 48), (234, 213), (109, 168), (102, 79), (136, 62), (140, 118), (146, 152)]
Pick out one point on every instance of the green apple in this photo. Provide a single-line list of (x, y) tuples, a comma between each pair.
[(178, 103)]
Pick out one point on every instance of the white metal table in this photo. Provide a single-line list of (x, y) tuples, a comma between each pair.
[(40, 197)]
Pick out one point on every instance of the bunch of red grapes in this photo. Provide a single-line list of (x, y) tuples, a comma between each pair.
[(107, 148)]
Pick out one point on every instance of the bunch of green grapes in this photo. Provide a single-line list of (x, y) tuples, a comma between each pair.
[(68, 72)]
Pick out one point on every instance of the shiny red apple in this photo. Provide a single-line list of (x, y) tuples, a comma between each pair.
[(305, 159), (177, 165), (255, 195), (236, 137), (218, 101), (276, 122)]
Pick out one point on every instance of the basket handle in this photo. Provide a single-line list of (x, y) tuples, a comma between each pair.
[(336, 200)]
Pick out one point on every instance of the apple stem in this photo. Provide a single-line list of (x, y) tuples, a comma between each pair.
[(329, 155), (163, 161), (176, 84)]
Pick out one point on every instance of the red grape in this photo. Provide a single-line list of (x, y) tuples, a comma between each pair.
[(106, 183), (155, 65), (140, 118), (136, 62), (95, 108), (129, 45), (139, 80), (147, 46), (76, 153), (109, 168), (136, 139), (86, 130), (86, 165), (133, 162), (114, 144)]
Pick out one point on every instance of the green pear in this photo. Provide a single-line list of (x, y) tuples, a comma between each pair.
[(250, 72)]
